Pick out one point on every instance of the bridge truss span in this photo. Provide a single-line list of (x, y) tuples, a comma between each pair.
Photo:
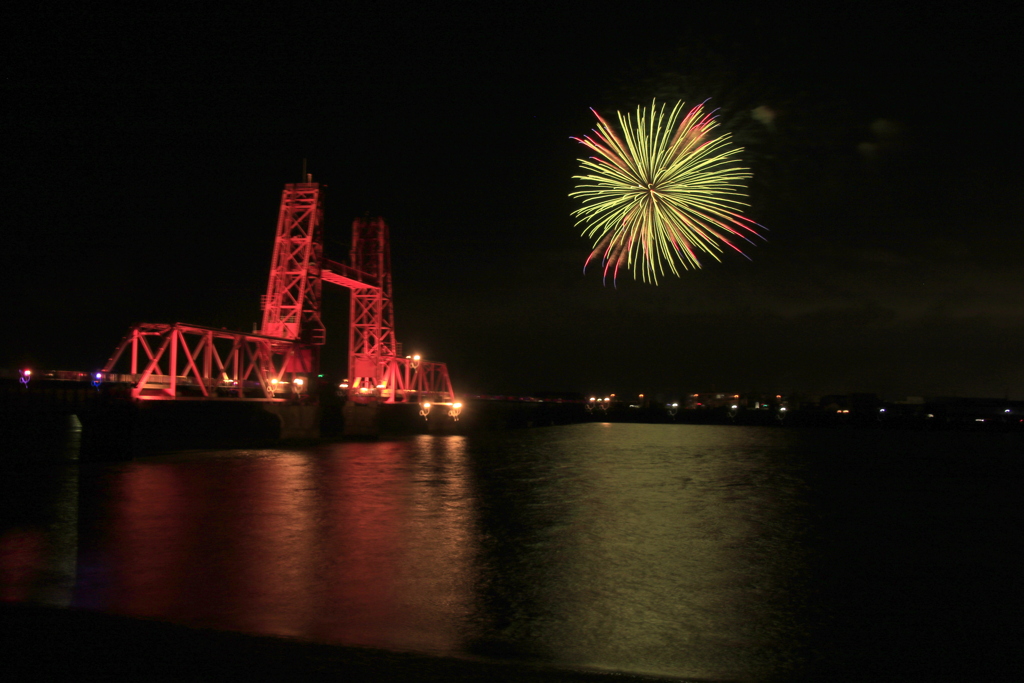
[(180, 361)]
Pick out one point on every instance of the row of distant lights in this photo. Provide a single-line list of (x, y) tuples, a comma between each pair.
[(26, 376), (841, 411), (595, 401)]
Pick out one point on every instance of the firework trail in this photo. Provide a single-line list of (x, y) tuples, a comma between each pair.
[(661, 193)]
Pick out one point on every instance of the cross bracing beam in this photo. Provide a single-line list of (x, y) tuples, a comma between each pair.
[(347, 276)]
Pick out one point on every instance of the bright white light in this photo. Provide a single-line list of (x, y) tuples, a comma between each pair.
[(299, 381), (782, 409), (456, 405), (426, 404), (735, 407), (273, 381)]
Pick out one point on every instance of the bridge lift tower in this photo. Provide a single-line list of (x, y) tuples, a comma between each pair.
[(278, 362)]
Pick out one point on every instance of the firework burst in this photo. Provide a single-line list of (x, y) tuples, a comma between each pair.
[(661, 193)]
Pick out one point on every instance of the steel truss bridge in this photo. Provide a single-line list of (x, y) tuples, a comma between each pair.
[(280, 362)]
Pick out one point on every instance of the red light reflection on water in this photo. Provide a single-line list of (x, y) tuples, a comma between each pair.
[(368, 544), (364, 534), (152, 541), (21, 555)]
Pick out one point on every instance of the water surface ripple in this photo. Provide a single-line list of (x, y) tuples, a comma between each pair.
[(680, 550)]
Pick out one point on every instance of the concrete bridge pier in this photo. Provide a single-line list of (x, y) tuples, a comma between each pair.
[(297, 421), (361, 418)]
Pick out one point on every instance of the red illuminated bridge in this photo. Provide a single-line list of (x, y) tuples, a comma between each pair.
[(279, 362)]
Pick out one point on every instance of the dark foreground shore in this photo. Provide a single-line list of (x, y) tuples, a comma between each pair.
[(53, 644)]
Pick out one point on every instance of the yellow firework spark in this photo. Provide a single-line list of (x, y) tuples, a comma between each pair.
[(662, 192)]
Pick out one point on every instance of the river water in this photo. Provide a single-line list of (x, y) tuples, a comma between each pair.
[(711, 552)]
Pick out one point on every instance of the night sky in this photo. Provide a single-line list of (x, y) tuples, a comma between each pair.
[(144, 155)]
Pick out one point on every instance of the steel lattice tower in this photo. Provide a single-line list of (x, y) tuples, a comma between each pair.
[(372, 318), (291, 306), (376, 368)]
